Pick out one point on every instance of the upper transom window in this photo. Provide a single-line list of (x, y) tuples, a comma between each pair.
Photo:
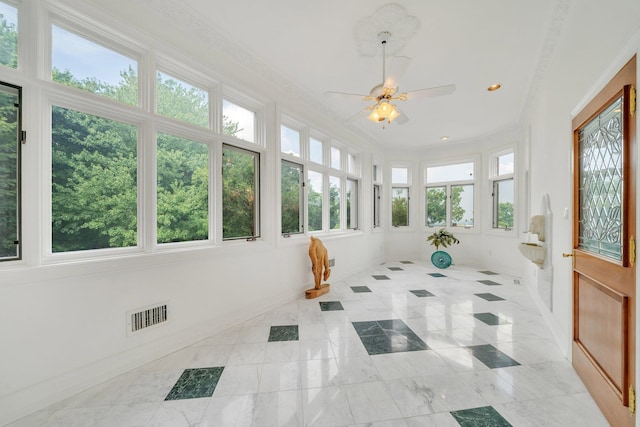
[(238, 121), (80, 63), (182, 101)]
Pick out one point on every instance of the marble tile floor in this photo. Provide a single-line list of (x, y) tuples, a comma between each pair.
[(384, 357)]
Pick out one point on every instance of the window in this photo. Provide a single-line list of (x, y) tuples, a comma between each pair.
[(10, 146), (503, 191), (238, 121), (377, 194), (400, 175), (8, 35), (450, 195), (334, 202), (86, 65), (400, 197), (436, 206), (182, 101), (240, 192), (400, 207), (94, 194), (289, 141), (314, 201), (352, 204), (291, 185), (316, 151), (335, 158), (376, 205), (183, 189), (352, 164)]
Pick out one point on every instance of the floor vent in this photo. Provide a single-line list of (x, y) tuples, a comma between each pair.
[(146, 317)]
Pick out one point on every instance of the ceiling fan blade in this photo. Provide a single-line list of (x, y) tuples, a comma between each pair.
[(397, 68), (362, 113), (344, 95), (432, 91), (402, 118)]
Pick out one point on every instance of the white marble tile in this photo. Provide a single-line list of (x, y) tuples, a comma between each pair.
[(437, 340), (326, 407), (398, 422), (349, 347), (357, 370), (460, 359), (319, 373), (208, 356), (179, 413), (230, 411), (282, 351), (316, 349), (559, 411), (128, 415), (76, 417), (313, 331), (247, 353), (496, 388), (433, 394), (559, 374), (244, 379), (148, 387), (466, 336), (258, 333), (280, 376), (370, 402), (528, 382), (278, 409), (443, 419)]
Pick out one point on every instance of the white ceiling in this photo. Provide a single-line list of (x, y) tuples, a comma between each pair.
[(469, 43)]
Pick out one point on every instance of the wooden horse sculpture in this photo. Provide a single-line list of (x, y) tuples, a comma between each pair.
[(319, 261)]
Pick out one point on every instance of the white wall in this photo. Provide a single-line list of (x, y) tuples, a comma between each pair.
[(596, 40)]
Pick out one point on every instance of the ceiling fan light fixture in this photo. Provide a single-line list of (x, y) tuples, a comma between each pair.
[(393, 114), (375, 116), (384, 111)]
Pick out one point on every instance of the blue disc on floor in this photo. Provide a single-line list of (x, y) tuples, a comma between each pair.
[(441, 259)]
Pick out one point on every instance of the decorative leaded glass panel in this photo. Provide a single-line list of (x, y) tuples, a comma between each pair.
[(601, 183)]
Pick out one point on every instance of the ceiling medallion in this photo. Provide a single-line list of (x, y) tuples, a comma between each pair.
[(391, 18)]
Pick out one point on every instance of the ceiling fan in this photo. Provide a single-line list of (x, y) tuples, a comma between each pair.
[(383, 94)]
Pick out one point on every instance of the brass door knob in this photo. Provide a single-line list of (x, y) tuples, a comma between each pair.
[(566, 255)]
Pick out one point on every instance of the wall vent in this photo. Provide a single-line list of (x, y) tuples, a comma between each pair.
[(146, 317)]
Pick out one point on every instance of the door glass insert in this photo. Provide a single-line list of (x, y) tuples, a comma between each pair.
[(600, 143)]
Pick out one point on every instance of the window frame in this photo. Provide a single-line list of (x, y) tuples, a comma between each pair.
[(240, 99), (94, 32), (448, 189), (301, 199), (18, 185), (494, 179), (257, 179)]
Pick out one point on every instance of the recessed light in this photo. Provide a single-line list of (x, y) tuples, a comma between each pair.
[(494, 87), (444, 138)]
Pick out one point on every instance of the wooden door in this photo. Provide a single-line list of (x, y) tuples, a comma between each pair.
[(604, 228)]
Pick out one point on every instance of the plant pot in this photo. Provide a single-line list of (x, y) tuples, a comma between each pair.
[(441, 259)]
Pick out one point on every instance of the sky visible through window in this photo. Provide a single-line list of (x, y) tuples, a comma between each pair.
[(245, 118), (9, 13), (290, 141), (449, 173), (86, 59)]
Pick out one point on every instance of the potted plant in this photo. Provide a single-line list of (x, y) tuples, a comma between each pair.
[(442, 237)]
